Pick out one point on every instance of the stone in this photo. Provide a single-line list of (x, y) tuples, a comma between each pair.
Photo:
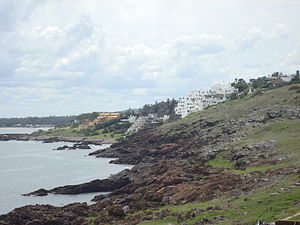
[(126, 209), (116, 210), (34, 222)]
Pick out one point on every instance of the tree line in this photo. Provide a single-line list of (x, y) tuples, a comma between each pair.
[(36, 121)]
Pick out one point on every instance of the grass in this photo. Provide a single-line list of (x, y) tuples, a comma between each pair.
[(260, 204), (108, 135), (92, 220), (246, 209), (71, 132), (220, 161), (285, 133), (63, 132)]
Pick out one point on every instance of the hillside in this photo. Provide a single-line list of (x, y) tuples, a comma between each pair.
[(233, 163), (36, 121)]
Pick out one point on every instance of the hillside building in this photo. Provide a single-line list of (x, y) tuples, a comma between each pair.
[(106, 116), (202, 98), (144, 121)]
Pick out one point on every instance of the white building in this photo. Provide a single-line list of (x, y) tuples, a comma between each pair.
[(200, 99)]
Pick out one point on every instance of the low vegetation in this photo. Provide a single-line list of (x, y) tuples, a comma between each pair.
[(276, 201)]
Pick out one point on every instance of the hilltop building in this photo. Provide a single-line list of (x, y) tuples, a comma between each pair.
[(102, 117), (106, 116), (202, 98)]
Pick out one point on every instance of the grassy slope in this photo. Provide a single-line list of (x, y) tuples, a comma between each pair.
[(260, 204), (271, 99), (72, 132)]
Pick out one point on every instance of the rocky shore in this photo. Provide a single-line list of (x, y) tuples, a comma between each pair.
[(172, 167), (51, 139)]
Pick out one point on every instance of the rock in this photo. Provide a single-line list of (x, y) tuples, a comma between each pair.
[(34, 222), (74, 147), (126, 209), (105, 185), (83, 146), (116, 210), (39, 192), (62, 148), (287, 112), (204, 221)]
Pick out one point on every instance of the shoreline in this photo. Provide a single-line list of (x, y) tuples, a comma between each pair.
[(25, 127), (50, 139), (76, 159)]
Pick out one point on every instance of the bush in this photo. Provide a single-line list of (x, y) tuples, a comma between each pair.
[(233, 96), (257, 92), (294, 88)]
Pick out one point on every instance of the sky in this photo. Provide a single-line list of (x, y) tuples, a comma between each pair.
[(66, 57)]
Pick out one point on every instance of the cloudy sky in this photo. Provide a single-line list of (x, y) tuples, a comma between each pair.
[(63, 57)]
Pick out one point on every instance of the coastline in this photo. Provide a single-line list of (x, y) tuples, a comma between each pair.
[(26, 127), (36, 160), (49, 139)]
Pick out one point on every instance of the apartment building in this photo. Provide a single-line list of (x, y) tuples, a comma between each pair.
[(202, 98)]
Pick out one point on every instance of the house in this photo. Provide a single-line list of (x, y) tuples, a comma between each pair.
[(144, 121), (104, 116), (277, 82), (202, 98), (131, 119)]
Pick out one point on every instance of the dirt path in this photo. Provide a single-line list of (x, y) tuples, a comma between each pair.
[(287, 218), (290, 217)]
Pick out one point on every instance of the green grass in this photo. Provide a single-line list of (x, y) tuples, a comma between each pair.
[(285, 133), (260, 204), (220, 161), (296, 217), (63, 132), (164, 221), (246, 209), (75, 133), (92, 220), (108, 135)]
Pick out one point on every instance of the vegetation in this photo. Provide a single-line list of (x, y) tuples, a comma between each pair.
[(36, 121), (87, 116), (160, 108), (49, 120), (110, 129), (277, 201)]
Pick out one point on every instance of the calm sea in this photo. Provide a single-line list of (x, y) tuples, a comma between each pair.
[(28, 166)]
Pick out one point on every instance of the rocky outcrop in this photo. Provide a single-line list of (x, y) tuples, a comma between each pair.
[(105, 185), (171, 168), (74, 214), (52, 139), (285, 112), (83, 145), (254, 155)]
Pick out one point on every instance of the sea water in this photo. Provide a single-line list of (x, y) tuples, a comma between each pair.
[(26, 166)]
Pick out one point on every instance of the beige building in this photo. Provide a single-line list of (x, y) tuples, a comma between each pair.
[(106, 116)]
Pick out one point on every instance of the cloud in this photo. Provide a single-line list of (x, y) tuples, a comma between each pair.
[(66, 57)]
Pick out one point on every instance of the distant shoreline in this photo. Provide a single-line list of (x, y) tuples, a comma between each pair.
[(26, 127), (50, 139)]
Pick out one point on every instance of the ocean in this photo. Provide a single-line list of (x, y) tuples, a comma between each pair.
[(26, 166)]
